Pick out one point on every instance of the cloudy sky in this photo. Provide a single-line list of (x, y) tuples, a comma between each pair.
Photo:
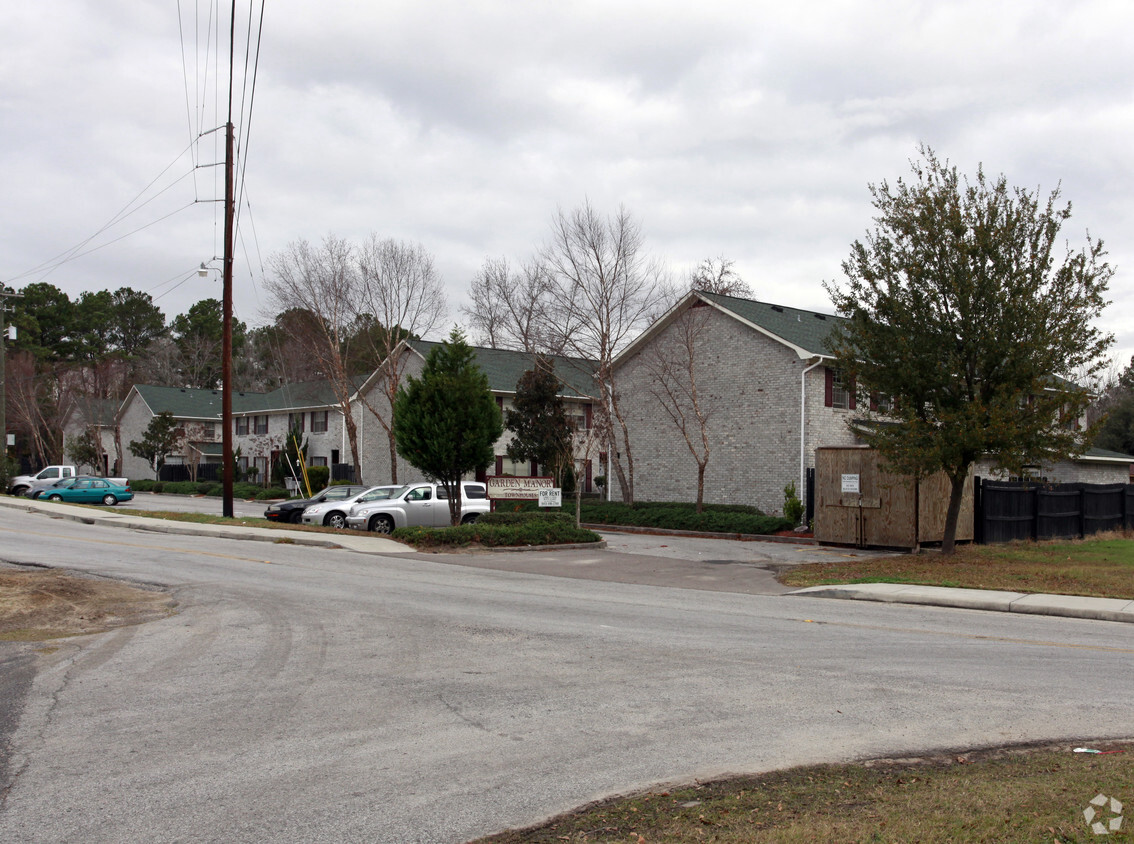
[(744, 129)]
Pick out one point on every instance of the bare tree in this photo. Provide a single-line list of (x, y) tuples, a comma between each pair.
[(324, 281), (672, 362), (603, 289), (510, 307), (716, 275), (400, 289)]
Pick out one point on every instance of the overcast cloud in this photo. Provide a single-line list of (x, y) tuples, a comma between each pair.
[(748, 130)]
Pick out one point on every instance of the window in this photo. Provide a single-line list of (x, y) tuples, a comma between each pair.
[(261, 424), (318, 421), (295, 421), (242, 462), (318, 461), (839, 390), (208, 430), (241, 426)]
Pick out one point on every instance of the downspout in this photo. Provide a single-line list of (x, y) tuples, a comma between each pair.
[(803, 428)]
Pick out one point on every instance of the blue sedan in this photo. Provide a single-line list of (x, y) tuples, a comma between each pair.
[(89, 491)]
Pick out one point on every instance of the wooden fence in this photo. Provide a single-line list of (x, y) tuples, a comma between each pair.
[(1004, 511)]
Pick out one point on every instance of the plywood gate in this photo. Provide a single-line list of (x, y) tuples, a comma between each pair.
[(858, 503)]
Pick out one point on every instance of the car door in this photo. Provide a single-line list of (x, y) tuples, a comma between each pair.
[(420, 506), (80, 492)]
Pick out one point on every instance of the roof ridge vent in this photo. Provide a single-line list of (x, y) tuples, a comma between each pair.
[(777, 309), (820, 316)]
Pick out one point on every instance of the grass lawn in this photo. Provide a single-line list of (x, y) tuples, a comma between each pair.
[(1101, 567), (1023, 795), (246, 521)]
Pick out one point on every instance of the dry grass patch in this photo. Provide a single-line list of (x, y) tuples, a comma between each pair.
[(48, 603), (1099, 567), (1024, 795)]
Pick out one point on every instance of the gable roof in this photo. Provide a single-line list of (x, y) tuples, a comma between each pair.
[(505, 366), (182, 402), (804, 332)]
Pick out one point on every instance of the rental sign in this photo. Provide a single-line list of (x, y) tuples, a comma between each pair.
[(504, 488)]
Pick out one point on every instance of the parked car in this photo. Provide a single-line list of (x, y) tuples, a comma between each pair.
[(20, 484), (333, 513), (39, 487), (292, 511), (89, 491), (418, 505)]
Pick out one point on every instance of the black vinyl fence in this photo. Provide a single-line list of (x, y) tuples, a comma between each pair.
[(1004, 511)]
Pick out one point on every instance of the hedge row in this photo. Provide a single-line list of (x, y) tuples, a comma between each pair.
[(523, 532), (243, 490), (716, 518)]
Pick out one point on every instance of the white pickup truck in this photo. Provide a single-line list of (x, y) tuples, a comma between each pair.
[(20, 484), (418, 505)]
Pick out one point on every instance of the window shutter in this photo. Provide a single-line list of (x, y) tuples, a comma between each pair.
[(499, 465), (852, 394), (873, 401), (828, 387), (589, 416)]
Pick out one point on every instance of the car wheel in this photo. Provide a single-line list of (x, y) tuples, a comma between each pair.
[(296, 517), (55, 497), (336, 520), (109, 500), (382, 524), (470, 518)]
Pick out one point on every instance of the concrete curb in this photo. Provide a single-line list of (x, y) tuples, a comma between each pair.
[(701, 534), (1068, 606), (359, 544), (91, 516)]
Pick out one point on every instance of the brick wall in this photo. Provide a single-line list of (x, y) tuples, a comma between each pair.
[(751, 387)]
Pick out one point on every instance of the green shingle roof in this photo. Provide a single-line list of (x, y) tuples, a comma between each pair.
[(805, 329), (183, 402), (505, 366)]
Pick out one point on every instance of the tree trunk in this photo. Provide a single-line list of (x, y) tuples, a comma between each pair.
[(956, 493), (352, 437), (700, 487), (393, 455)]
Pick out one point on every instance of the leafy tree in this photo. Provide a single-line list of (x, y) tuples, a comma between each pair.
[(538, 421), (959, 309), (86, 450), (1117, 430), (45, 321), (135, 322), (159, 439), (198, 334), (446, 422)]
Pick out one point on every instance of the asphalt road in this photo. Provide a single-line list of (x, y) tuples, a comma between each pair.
[(305, 694)]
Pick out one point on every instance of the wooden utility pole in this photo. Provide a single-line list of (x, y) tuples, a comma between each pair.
[(226, 341), (5, 294)]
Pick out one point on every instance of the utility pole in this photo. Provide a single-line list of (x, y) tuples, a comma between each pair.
[(5, 335), (226, 341)]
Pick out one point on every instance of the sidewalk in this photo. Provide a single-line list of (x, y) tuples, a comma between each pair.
[(1070, 606)]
